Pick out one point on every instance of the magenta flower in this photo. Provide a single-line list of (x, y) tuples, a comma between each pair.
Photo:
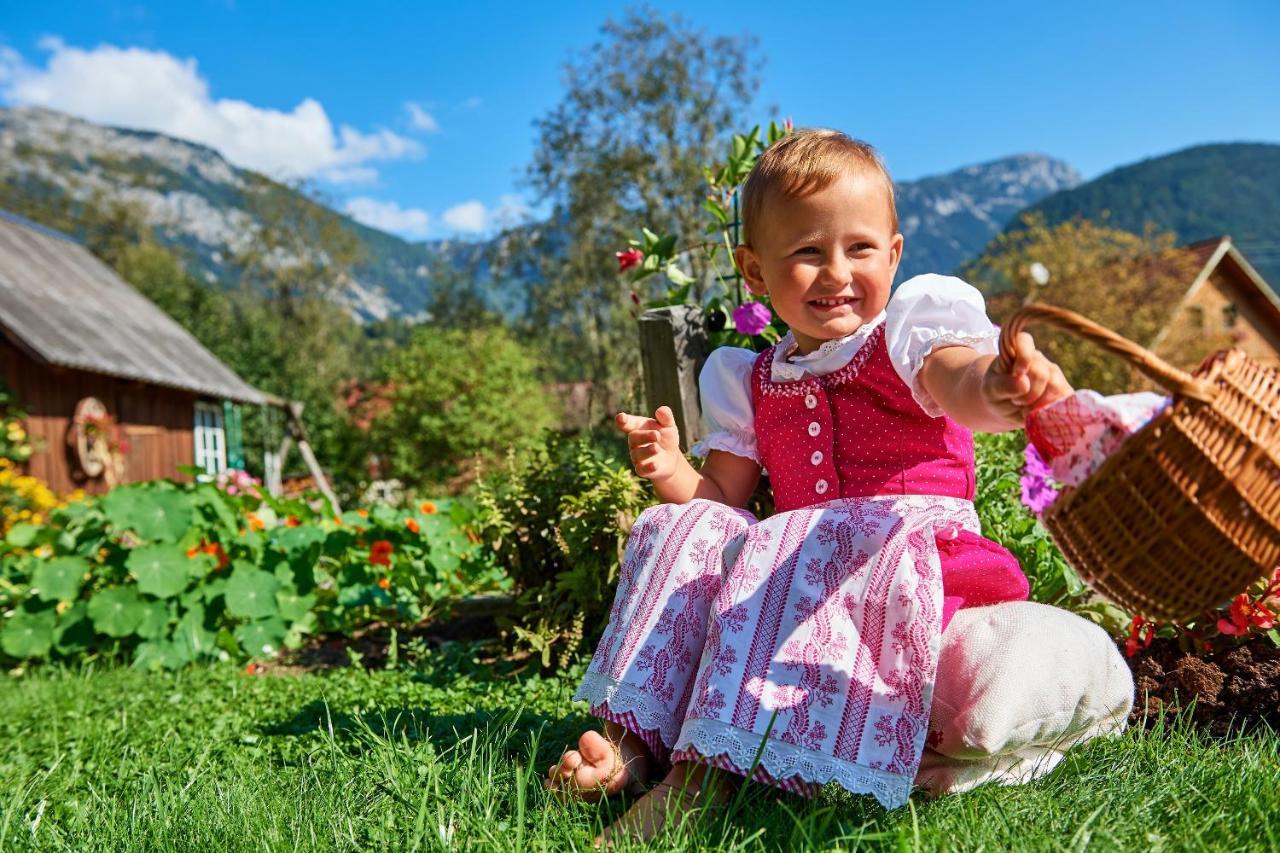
[(752, 318), (632, 257), (1039, 489)]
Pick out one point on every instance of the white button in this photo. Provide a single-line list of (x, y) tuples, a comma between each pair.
[(820, 487), (811, 401), (816, 458), (814, 428)]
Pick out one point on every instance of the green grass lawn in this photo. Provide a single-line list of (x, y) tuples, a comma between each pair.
[(446, 755)]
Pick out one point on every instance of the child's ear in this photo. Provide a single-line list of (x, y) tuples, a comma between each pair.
[(895, 253), (749, 266)]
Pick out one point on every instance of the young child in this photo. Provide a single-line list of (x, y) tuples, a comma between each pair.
[(802, 648)]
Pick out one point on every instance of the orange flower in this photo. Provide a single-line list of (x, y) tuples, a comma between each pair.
[(412, 524), (384, 583), (428, 508), (256, 523), (193, 550), (337, 519), (380, 553), (214, 549), (363, 513), (292, 521)]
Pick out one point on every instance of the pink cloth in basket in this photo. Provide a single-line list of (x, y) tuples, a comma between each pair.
[(1076, 434)]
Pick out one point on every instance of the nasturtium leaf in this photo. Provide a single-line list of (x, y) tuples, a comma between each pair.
[(385, 516), (210, 497), (192, 637), (360, 594), (292, 540), (116, 612), (60, 579), (262, 637), (161, 570), (159, 654), (209, 590), (155, 620), (28, 635), (293, 606), (251, 594), (74, 631), (156, 513), (22, 535)]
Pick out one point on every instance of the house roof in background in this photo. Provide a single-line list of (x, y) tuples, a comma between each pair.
[(1222, 251), (68, 308)]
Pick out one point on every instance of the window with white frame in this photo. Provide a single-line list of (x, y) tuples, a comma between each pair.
[(211, 438)]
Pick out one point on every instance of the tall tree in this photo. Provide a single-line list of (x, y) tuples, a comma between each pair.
[(1130, 283), (644, 109)]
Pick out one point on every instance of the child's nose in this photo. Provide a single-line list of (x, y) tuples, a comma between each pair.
[(838, 270)]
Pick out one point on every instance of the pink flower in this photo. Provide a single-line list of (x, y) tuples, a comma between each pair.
[(1038, 487), (788, 125), (632, 257), (752, 318)]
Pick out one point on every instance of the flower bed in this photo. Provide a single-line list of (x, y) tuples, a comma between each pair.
[(166, 574)]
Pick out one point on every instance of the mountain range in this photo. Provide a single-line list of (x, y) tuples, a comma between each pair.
[(199, 204)]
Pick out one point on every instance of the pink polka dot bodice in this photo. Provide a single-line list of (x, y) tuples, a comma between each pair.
[(853, 433), (858, 432)]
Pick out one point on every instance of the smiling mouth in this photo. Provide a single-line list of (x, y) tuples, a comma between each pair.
[(833, 302)]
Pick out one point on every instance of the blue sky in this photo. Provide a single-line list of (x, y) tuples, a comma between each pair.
[(419, 116)]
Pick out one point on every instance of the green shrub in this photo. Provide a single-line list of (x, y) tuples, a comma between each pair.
[(558, 515), (1007, 521), (168, 574), (457, 395)]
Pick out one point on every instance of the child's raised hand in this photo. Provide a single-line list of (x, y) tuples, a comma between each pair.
[(654, 442), (1033, 381)]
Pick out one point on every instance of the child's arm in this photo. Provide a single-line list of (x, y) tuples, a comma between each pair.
[(655, 453), (974, 391)]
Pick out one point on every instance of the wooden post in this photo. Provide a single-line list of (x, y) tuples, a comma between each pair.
[(673, 348), (299, 435)]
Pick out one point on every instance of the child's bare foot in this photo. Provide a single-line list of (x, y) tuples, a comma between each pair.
[(688, 788), (601, 766)]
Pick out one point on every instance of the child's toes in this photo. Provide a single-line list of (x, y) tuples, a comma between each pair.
[(597, 751)]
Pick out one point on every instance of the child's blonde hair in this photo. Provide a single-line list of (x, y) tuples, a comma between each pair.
[(805, 162)]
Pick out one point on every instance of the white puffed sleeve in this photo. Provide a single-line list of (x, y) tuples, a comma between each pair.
[(728, 421), (932, 311)]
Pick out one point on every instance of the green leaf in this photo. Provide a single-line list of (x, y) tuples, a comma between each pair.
[(159, 654), (250, 594), (74, 631), (28, 635), (154, 512), (192, 637), (22, 535), (263, 637), (117, 612), (678, 276), (161, 570), (293, 540), (294, 607), (155, 620), (60, 579)]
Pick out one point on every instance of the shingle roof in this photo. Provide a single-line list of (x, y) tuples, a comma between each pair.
[(68, 308)]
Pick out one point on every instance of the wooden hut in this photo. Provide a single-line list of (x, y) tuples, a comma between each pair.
[(116, 390)]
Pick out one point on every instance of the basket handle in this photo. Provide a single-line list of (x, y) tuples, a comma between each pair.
[(1175, 380)]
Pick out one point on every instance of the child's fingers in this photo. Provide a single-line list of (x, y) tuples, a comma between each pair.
[(665, 417), (641, 437), (629, 423), (1007, 386)]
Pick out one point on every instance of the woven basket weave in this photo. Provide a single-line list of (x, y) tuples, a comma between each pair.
[(1186, 514)]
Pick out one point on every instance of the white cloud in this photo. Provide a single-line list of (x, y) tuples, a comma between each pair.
[(154, 90), (354, 175), (511, 210), (420, 119), (470, 216), (472, 104), (389, 216)]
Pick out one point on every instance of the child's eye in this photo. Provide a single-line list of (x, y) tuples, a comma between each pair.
[(807, 250), (860, 247)]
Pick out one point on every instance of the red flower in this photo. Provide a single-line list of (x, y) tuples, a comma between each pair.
[(292, 521), (1141, 632), (380, 553), (632, 257)]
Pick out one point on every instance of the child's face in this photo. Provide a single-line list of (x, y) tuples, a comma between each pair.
[(826, 260)]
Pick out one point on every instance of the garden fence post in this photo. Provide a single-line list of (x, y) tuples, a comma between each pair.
[(673, 348)]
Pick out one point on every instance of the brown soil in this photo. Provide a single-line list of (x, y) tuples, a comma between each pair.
[(1222, 690)]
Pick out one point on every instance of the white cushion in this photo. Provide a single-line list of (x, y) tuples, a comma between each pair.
[(1018, 684)]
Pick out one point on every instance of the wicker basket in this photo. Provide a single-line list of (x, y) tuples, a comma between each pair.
[(1186, 514)]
